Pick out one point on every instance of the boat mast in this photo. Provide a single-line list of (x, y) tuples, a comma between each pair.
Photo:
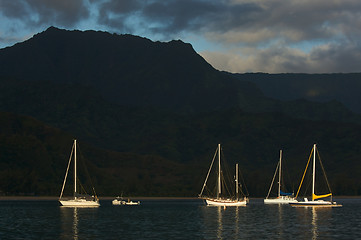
[(75, 168), (279, 175), (237, 181), (314, 171), (219, 171)]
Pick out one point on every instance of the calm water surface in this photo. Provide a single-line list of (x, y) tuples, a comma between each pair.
[(178, 219)]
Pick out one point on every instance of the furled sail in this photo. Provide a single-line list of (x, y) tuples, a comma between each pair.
[(285, 194), (314, 196)]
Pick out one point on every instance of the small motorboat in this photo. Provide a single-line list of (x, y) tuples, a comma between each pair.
[(120, 201)]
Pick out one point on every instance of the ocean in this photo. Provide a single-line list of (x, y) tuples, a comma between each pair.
[(178, 219)]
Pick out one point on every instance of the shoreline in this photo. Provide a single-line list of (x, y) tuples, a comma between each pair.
[(54, 198)]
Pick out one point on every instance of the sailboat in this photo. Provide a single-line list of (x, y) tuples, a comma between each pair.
[(77, 200), (220, 200), (283, 197), (316, 199)]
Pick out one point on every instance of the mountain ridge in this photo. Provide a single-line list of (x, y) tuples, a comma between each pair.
[(153, 112), (342, 87), (119, 71)]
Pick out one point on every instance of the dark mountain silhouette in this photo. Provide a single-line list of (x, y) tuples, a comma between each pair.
[(125, 69), (169, 155), (34, 157), (134, 71), (341, 87), (150, 115)]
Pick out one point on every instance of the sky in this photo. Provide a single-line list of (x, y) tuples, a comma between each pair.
[(273, 36)]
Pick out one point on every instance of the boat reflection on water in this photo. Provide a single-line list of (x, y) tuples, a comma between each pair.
[(71, 219), (225, 222), (236, 220), (69, 223), (320, 217), (314, 223), (75, 223), (220, 223), (318, 220), (226, 215)]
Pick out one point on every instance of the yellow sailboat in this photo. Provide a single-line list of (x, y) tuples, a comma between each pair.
[(317, 200)]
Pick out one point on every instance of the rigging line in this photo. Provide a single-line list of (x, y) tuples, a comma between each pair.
[(208, 191), (227, 176), (209, 171), (289, 180), (95, 194), (226, 186), (82, 187), (67, 170), (86, 170), (244, 195), (243, 182), (309, 183), (324, 172), (274, 176), (304, 173), (226, 181), (223, 186)]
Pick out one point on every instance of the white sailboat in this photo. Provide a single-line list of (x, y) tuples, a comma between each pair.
[(76, 200), (316, 199), (282, 197), (219, 200)]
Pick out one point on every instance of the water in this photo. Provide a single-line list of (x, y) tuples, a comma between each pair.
[(178, 219)]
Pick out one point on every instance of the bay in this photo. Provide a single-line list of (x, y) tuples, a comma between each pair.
[(178, 219)]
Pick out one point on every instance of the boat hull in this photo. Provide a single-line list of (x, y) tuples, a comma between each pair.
[(132, 203), (122, 202), (117, 202), (280, 200), (79, 203), (319, 203), (224, 202)]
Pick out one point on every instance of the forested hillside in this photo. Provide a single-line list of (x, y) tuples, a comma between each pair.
[(148, 117)]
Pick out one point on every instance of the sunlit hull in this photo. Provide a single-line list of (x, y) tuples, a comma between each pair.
[(280, 200), (226, 202), (79, 203), (122, 202), (318, 203), (132, 203), (117, 202)]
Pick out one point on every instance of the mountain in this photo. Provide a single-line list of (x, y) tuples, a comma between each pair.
[(124, 69), (169, 155), (133, 71), (34, 157), (149, 115), (341, 87)]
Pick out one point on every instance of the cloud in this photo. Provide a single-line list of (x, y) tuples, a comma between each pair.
[(242, 35), (280, 59), (271, 60), (33, 13), (174, 16), (293, 20), (114, 14)]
